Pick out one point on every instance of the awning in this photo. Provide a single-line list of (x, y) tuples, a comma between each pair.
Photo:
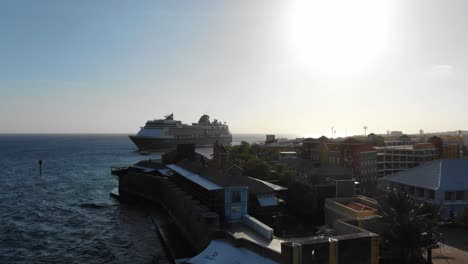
[(220, 251), (144, 169), (165, 172), (267, 200)]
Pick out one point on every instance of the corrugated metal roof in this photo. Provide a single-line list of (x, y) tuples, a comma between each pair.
[(445, 174), (195, 178), (271, 185), (267, 200), (224, 179), (144, 169)]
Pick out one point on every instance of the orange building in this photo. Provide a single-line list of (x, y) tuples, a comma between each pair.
[(448, 147)]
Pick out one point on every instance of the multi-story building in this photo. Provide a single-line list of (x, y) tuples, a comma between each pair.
[(396, 158), (375, 140), (359, 156), (448, 147), (311, 148)]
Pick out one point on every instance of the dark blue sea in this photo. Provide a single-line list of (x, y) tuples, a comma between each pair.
[(66, 214)]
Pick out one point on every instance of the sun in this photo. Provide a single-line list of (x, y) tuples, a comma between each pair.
[(339, 36)]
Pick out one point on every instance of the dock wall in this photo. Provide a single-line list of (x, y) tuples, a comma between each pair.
[(198, 224)]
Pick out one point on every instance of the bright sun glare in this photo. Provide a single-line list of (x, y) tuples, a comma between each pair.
[(339, 36)]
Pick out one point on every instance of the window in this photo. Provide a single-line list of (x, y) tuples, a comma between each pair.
[(459, 195), (236, 196), (348, 154), (448, 196)]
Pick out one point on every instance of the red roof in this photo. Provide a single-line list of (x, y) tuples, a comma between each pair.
[(365, 147), (351, 141)]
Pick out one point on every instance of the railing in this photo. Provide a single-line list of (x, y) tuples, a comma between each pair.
[(118, 170), (259, 227)]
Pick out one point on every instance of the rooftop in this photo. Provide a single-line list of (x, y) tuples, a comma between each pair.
[(224, 179), (408, 147), (195, 178), (445, 174), (358, 206)]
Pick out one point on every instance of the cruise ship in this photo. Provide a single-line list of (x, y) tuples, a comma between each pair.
[(164, 134)]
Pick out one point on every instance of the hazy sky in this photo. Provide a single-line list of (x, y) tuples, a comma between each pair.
[(262, 66)]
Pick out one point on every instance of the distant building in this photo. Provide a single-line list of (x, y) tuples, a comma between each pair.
[(270, 139), (393, 159), (311, 147), (396, 134), (395, 142), (375, 140), (448, 148), (441, 182), (359, 156), (405, 138), (220, 157), (307, 172), (287, 155)]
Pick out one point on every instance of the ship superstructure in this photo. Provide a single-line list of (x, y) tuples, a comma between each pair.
[(163, 134)]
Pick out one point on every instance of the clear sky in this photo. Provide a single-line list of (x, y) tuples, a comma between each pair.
[(263, 66)]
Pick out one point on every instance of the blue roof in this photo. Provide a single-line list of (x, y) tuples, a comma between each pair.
[(166, 172), (439, 174), (267, 200), (195, 178), (221, 251)]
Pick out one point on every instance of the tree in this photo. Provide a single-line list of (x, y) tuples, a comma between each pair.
[(410, 227), (283, 174), (257, 168)]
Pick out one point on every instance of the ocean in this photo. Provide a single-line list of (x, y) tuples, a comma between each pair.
[(66, 214)]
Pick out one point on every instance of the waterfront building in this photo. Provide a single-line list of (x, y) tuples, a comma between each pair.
[(231, 195), (441, 182)]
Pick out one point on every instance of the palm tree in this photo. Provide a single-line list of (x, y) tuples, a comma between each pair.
[(409, 228)]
